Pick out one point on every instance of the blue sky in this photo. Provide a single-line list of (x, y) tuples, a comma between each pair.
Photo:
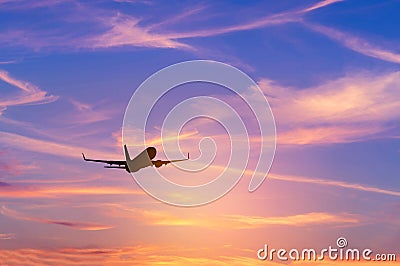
[(329, 69)]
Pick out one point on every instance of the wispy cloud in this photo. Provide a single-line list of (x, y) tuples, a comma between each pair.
[(340, 184), (15, 168), (30, 93), (351, 108), (318, 181), (313, 218), (8, 62), (146, 255), (24, 4), (270, 20), (16, 191), (321, 4), (88, 113), (328, 134), (72, 224), (50, 147), (233, 221), (115, 29), (357, 44), (125, 31), (143, 255), (6, 236)]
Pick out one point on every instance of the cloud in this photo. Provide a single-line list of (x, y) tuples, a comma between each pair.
[(151, 255), (270, 20), (8, 62), (14, 191), (6, 236), (232, 221), (318, 181), (312, 218), (115, 29), (357, 44), (193, 10), (327, 134), (340, 184), (87, 113), (24, 4), (321, 4), (125, 31), (30, 94), (352, 108), (143, 255), (49, 147), (72, 224), (4, 184), (12, 166)]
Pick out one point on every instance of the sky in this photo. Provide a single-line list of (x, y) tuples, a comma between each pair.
[(329, 70)]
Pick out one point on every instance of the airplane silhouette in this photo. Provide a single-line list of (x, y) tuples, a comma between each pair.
[(144, 159)]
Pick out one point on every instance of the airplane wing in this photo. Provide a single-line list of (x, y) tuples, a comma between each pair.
[(174, 161), (159, 163), (110, 162)]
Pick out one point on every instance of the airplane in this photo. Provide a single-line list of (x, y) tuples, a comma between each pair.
[(144, 159)]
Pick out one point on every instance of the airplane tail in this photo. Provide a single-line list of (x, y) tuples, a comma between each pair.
[(127, 157)]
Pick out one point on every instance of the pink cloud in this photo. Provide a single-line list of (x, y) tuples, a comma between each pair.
[(9, 165), (59, 191), (357, 44), (125, 31), (339, 184), (31, 94), (232, 221), (317, 181), (51, 147), (6, 236), (85, 113), (276, 19), (321, 4), (352, 108), (146, 255)]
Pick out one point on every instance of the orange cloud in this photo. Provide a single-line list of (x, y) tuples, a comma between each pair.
[(326, 134), (351, 108), (231, 221), (7, 236), (244, 221), (131, 255), (72, 224), (150, 255)]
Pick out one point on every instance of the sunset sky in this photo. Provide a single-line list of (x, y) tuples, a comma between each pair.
[(329, 70)]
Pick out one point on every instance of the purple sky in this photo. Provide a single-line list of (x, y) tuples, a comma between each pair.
[(329, 69)]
